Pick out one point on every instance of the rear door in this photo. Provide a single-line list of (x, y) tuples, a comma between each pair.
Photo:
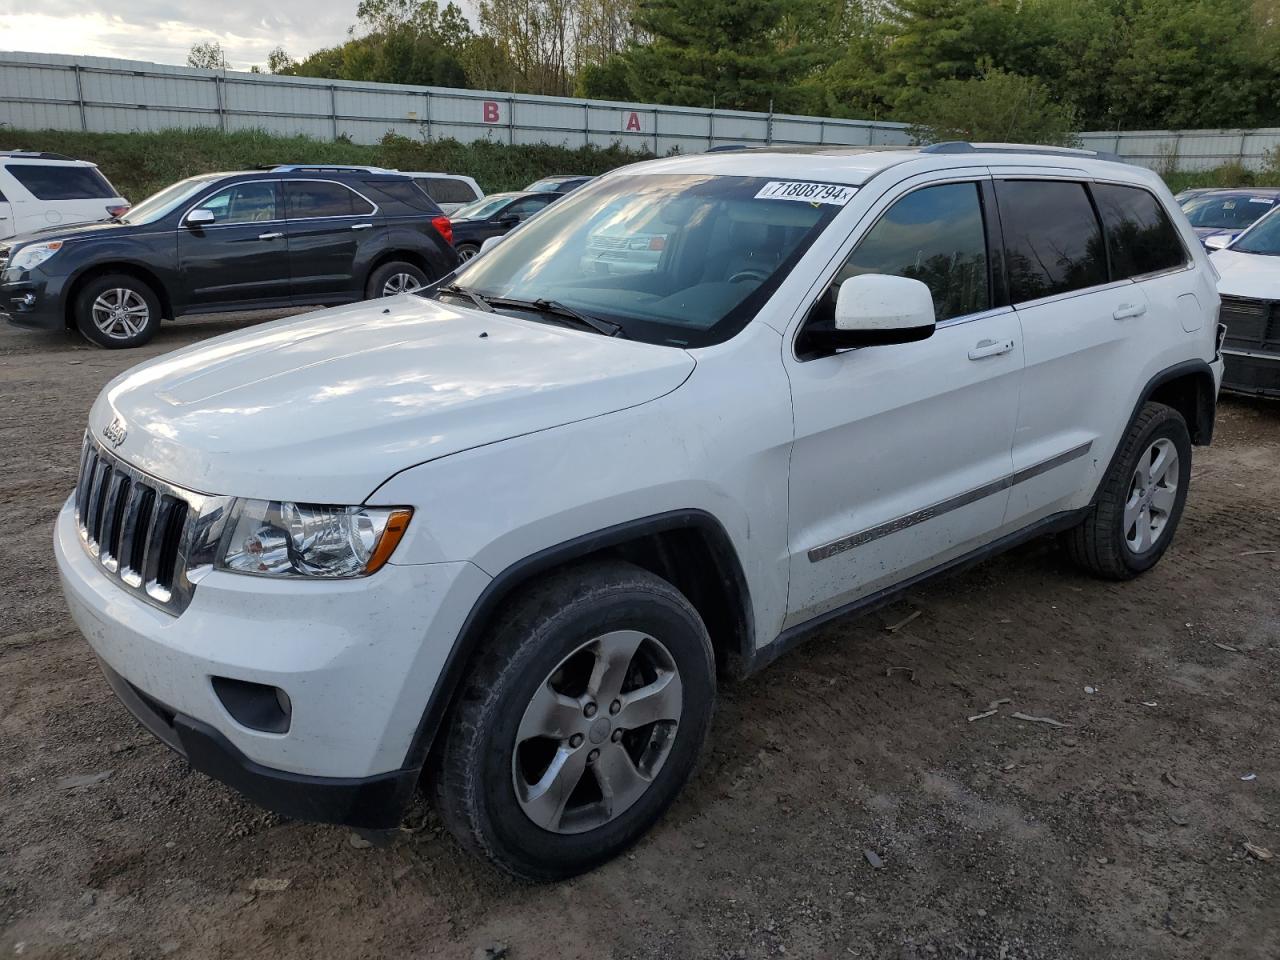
[(240, 258), (1082, 332), (901, 454), (328, 223)]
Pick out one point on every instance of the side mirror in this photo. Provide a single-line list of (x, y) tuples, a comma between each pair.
[(1218, 241), (200, 217), (876, 309), (490, 243)]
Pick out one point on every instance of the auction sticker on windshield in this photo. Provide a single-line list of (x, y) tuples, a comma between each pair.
[(833, 193)]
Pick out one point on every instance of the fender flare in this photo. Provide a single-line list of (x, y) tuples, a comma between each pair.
[(472, 633)]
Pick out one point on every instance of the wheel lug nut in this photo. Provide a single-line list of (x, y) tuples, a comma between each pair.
[(615, 706), (575, 741), (591, 757), (589, 710), (617, 736)]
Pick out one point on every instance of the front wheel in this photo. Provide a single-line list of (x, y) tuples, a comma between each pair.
[(1132, 521), (117, 311), (579, 724)]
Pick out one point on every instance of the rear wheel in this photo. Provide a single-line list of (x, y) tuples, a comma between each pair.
[(580, 723), (1132, 523), (117, 311), (466, 251), (398, 276)]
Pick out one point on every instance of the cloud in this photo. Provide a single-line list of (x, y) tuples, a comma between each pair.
[(164, 30)]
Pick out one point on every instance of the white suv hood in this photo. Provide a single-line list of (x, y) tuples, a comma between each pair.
[(324, 408), (1247, 274)]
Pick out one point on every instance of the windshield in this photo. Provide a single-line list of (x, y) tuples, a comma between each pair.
[(1263, 238), (1226, 213), (479, 209), (167, 200), (685, 260)]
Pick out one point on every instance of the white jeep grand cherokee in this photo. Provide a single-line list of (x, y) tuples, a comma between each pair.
[(505, 536)]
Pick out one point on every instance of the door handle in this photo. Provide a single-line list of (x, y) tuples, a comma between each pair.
[(990, 348), (1127, 310), (362, 226), (270, 236)]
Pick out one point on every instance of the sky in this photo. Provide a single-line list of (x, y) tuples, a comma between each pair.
[(164, 30)]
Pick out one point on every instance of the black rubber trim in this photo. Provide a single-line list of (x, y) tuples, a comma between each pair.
[(795, 635), (371, 803), (473, 629)]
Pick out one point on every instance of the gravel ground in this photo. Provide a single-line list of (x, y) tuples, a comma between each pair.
[(845, 809)]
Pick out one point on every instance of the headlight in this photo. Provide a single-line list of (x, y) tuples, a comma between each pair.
[(271, 538), (34, 254)]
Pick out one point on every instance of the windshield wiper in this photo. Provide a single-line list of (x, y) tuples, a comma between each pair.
[(454, 290), (558, 309)]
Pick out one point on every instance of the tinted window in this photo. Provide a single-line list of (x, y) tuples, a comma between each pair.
[(527, 207), (321, 198), (934, 235), (1140, 236), (444, 190), (48, 182), (404, 192), (1052, 240), (243, 203)]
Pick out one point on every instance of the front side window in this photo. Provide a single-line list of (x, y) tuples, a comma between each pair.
[(53, 182), (1053, 243), (934, 235), (244, 203), (1263, 239), (677, 259), (307, 199), (523, 209), (1140, 236)]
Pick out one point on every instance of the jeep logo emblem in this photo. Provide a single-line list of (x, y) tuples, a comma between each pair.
[(115, 432)]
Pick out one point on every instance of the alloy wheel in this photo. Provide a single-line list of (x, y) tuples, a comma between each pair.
[(120, 313), (596, 732), (1153, 491), (400, 283)]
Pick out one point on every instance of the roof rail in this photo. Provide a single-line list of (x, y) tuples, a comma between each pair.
[(964, 146), (325, 167), (34, 155)]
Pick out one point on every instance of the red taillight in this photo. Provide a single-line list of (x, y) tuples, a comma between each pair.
[(445, 227), (118, 210)]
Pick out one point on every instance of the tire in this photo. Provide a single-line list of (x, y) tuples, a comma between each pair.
[(393, 277), (466, 251), (549, 642), (1118, 539), (117, 311)]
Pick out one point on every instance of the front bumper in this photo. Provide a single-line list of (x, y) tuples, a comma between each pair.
[(1251, 372), (34, 301), (358, 660)]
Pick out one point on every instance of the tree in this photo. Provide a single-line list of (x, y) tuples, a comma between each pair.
[(208, 55), (996, 106), (278, 61)]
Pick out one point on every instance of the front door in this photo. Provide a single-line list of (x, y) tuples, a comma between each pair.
[(901, 457), (328, 222), (242, 257)]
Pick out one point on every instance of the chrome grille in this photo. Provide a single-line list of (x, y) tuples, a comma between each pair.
[(1251, 324), (153, 538)]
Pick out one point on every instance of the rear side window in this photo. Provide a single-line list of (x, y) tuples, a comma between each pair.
[(323, 198), (1053, 243), (1140, 236), (934, 235), (446, 190), (52, 182)]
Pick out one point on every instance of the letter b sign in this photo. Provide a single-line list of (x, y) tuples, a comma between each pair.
[(491, 111)]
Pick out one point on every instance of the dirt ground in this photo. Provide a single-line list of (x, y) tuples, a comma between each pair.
[(1121, 834)]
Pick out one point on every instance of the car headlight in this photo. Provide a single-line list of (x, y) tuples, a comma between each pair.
[(34, 254), (271, 538)]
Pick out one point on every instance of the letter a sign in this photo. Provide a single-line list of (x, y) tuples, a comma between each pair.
[(633, 122)]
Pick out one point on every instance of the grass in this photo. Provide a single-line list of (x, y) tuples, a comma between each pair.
[(139, 164)]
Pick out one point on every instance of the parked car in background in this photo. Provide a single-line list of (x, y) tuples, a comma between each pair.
[(1220, 215), (228, 241), (493, 216), (39, 190), (503, 539), (1249, 282), (560, 184), (450, 191)]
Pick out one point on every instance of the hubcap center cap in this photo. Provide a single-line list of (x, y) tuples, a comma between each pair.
[(600, 730)]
